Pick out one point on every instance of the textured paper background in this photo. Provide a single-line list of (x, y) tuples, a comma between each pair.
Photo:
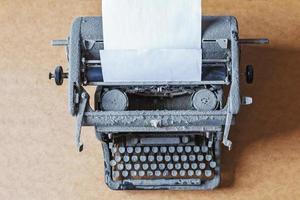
[(38, 159)]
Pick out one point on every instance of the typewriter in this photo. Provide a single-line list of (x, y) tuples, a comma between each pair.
[(158, 135)]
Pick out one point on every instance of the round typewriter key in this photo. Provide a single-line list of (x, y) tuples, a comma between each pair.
[(157, 173), (200, 157), (136, 166), (198, 172), (118, 158), (154, 149), (194, 166), (170, 166), (150, 158), (196, 149), (115, 174), (124, 174), (159, 158), (178, 166), (143, 158), (137, 149), (182, 172), (179, 149), (149, 173), (208, 157), (128, 166), (146, 149), (134, 158), (145, 166), (126, 158), (133, 173), (188, 149), (202, 165), (204, 149), (113, 163), (163, 149), (171, 149), (186, 165), (122, 149), (141, 173), (129, 149), (167, 158), (174, 173), (183, 158), (190, 173), (175, 158), (161, 166), (165, 173), (153, 166), (185, 139), (120, 167), (213, 164), (207, 173), (192, 157)]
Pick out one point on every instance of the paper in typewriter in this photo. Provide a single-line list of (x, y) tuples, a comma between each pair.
[(151, 40)]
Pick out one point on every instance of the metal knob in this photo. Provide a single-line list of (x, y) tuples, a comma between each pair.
[(58, 75), (249, 74)]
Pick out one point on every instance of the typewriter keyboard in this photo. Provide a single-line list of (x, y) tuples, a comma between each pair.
[(184, 160)]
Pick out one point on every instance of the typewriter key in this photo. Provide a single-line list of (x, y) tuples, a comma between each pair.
[(212, 164), (175, 158), (200, 157), (196, 149), (192, 158), (179, 149), (202, 165), (153, 166), (182, 172), (136, 166), (112, 163), (128, 166), (150, 158), (120, 167), (163, 149), (122, 149), (124, 174), (141, 173), (157, 173), (161, 166), (133, 173), (138, 150), (174, 173), (186, 165), (171, 149), (170, 166), (208, 157), (198, 172), (146, 149), (190, 172), (129, 149), (188, 149), (177, 166), (183, 158), (194, 166), (145, 166), (207, 173), (143, 158)]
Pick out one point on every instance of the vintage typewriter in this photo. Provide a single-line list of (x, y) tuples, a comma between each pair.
[(161, 135)]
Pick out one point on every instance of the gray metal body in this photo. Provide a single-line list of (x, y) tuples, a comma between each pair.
[(156, 108)]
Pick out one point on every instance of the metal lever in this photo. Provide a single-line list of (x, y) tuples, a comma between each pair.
[(254, 41)]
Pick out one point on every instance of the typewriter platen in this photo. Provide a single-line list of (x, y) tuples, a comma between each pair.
[(159, 135)]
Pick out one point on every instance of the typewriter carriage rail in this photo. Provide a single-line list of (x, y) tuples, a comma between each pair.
[(221, 48)]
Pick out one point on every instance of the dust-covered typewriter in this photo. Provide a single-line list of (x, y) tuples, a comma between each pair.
[(158, 135)]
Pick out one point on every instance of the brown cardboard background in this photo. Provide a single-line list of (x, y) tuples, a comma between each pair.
[(38, 159)]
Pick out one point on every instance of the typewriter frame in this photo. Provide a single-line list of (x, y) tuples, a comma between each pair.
[(220, 45)]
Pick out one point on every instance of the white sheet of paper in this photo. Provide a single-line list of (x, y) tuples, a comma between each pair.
[(153, 40), (151, 24), (151, 65)]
